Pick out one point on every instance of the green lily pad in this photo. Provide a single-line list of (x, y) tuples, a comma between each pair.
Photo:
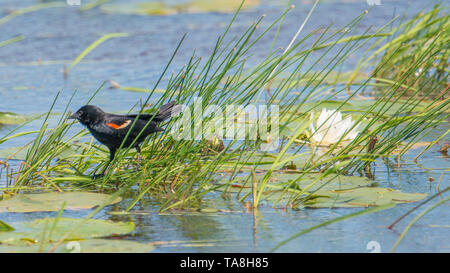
[(264, 161), (54, 201), (363, 197), (33, 232), (332, 182), (314, 182), (85, 246), (322, 192)]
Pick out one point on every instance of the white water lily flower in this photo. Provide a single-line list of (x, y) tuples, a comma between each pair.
[(331, 128)]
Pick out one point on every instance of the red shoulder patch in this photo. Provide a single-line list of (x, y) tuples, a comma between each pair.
[(117, 127)]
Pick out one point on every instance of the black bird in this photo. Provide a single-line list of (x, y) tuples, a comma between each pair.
[(111, 129)]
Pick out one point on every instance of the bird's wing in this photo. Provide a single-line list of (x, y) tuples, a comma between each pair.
[(117, 122), (163, 113), (120, 125)]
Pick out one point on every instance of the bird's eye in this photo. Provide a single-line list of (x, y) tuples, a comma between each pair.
[(80, 113)]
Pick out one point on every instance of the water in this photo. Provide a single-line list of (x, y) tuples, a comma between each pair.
[(60, 34)]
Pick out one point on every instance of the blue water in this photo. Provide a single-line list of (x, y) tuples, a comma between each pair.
[(60, 34)]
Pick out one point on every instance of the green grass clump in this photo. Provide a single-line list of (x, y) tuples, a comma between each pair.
[(417, 54)]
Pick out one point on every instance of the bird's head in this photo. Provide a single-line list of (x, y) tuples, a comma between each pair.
[(88, 115)]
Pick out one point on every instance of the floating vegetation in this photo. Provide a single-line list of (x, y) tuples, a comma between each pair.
[(47, 230), (12, 40), (193, 6), (18, 12), (93, 4), (115, 85), (5, 227), (8, 118), (53, 201), (319, 191), (226, 6)]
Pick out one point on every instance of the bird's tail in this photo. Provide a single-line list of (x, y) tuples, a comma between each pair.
[(166, 111)]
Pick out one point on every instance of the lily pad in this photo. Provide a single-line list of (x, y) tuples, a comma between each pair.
[(54, 201), (32, 232), (323, 192), (264, 161), (363, 197), (315, 182), (85, 246), (308, 182)]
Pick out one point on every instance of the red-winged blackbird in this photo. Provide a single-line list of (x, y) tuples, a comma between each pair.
[(111, 129)]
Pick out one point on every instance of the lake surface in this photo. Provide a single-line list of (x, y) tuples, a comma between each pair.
[(31, 74)]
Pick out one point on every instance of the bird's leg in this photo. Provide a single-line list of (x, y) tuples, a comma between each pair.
[(112, 153), (138, 150)]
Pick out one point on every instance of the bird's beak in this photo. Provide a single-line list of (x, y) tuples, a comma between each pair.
[(73, 116)]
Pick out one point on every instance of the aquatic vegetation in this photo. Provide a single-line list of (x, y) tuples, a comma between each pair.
[(46, 230), (12, 40), (332, 129), (5, 227), (198, 6), (318, 190), (93, 4), (193, 6), (180, 173), (52, 201), (116, 85), (18, 12), (422, 41), (8, 118)]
